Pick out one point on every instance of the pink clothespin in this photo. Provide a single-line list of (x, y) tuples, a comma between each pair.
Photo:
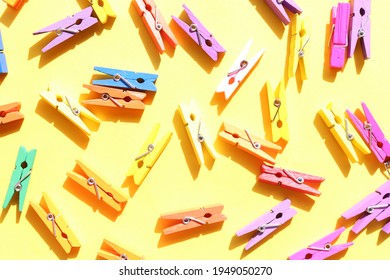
[(200, 35), (339, 36), (373, 136), (323, 248), (279, 7), (360, 27), (268, 223), (288, 179), (68, 27), (374, 206)]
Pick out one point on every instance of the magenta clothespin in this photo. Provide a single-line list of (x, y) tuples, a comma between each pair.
[(360, 27), (279, 7), (200, 35), (373, 136), (267, 223), (339, 38), (68, 27), (323, 248), (374, 206)]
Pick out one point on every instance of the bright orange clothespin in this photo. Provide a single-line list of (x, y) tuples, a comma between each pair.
[(278, 112), (102, 10), (112, 251), (96, 185), (10, 113), (14, 3), (56, 223), (193, 218)]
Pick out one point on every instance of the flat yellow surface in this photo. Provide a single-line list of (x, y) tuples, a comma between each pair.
[(176, 181)]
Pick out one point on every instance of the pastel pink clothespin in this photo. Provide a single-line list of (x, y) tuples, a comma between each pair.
[(360, 27), (200, 35), (323, 248), (68, 27), (372, 135), (268, 223), (279, 8), (374, 206), (339, 38)]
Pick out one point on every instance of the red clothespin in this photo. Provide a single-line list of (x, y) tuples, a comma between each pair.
[(289, 179), (339, 35), (360, 27), (10, 113)]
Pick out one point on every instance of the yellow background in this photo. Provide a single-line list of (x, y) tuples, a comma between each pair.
[(176, 182)]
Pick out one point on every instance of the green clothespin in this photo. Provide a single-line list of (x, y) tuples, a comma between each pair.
[(20, 176)]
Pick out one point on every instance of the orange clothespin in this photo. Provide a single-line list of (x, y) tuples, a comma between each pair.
[(10, 113), (14, 3), (96, 185), (55, 222), (193, 218), (112, 251)]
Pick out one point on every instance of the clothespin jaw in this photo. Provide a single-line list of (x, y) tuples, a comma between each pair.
[(268, 223), (55, 223), (200, 35), (113, 251), (14, 3), (278, 112), (3, 61), (196, 130), (155, 24), (360, 27), (344, 133), (288, 179), (279, 8), (148, 155), (20, 177), (98, 186), (127, 79), (102, 10), (116, 98), (339, 35), (248, 142), (323, 248), (239, 71), (194, 218), (10, 113), (68, 27)]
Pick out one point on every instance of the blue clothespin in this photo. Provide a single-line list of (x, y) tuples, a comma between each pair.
[(127, 79), (3, 62)]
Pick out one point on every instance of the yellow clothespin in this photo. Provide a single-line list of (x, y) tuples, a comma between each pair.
[(112, 251), (148, 156), (344, 133), (278, 112), (55, 222), (102, 10), (299, 50), (196, 130)]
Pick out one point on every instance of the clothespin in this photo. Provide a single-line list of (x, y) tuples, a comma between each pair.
[(14, 3), (68, 27), (248, 142), (102, 10), (20, 176), (279, 8), (196, 130), (116, 98), (374, 206), (193, 218), (69, 108), (323, 248), (278, 112), (200, 35), (3, 61), (56, 223), (127, 79), (155, 24), (268, 223), (372, 136), (112, 251), (360, 27), (239, 71), (10, 113), (339, 34), (149, 153), (289, 179), (96, 185)]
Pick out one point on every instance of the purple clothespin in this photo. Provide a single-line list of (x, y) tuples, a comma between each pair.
[(200, 35), (279, 7), (267, 223), (360, 27), (323, 248), (68, 27)]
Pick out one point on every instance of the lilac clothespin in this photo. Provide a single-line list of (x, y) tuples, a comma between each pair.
[(279, 7), (360, 27)]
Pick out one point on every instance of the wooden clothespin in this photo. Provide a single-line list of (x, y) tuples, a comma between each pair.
[(10, 113), (14, 3), (279, 8), (339, 35), (3, 61), (113, 251), (102, 10), (360, 27)]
